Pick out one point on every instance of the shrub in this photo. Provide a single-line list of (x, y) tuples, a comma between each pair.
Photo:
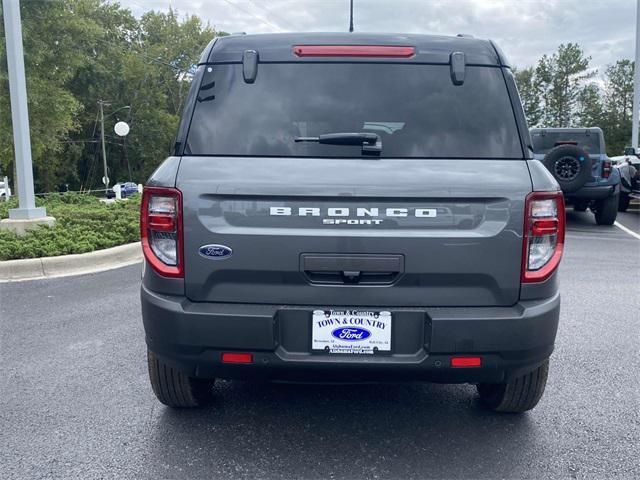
[(83, 224)]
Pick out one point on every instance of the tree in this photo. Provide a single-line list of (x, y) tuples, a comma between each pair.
[(554, 93), (78, 52), (590, 110), (618, 105), (50, 33), (559, 78), (530, 94)]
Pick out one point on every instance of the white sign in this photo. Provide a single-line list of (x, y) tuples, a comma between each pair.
[(351, 331)]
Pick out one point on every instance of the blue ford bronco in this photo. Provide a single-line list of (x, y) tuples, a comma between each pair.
[(577, 159), (334, 211)]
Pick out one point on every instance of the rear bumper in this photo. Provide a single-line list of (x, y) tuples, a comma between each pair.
[(192, 336), (593, 192)]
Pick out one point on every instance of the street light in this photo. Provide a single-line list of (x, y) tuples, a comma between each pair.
[(27, 215), (636, 84), (102, 104)]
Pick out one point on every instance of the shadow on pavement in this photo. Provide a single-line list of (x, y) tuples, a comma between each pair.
[(344, 431)]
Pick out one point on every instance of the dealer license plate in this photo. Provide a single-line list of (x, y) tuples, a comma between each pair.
[(351, 331)]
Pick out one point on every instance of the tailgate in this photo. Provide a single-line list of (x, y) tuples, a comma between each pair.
[(376, 232)]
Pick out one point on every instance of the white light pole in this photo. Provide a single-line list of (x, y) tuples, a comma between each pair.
[(19, 115), (102, 104), (636, 83)]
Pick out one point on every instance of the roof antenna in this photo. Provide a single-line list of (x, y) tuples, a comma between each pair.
[(351, 17)]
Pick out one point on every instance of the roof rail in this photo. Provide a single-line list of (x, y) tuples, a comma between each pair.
[(465, 35)]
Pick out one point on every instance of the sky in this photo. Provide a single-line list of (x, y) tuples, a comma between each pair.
[(524, 29)]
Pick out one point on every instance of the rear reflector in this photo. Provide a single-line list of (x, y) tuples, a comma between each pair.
[(466, 361), (353, 51), (237, 357)]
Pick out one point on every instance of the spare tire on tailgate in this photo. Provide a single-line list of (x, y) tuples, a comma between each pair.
[(570, 165)]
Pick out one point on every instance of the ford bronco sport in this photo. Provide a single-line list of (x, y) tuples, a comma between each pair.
[(576, 157), (352, 207)]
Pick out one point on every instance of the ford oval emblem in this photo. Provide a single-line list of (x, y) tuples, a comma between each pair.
[(215, 252), (351, 334)]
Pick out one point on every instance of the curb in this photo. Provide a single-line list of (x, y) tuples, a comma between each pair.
[(66, 265)]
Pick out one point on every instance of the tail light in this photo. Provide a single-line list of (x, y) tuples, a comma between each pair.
[(379, 51), (161, 230), (606, 168), (543, 243)]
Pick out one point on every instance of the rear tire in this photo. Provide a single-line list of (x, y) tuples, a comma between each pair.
[(569, 165), (606, 210), (174, 388), (517, 396), (624, 201)]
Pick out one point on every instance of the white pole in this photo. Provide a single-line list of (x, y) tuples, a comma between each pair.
[(636, 83), (105, 179), (19, 114)]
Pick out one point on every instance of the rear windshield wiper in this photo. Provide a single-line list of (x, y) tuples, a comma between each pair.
[(370, 142)]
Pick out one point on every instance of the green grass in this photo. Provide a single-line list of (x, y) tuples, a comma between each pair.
[(83, 224)]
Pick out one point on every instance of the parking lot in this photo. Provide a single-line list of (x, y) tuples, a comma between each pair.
[(76, 402)]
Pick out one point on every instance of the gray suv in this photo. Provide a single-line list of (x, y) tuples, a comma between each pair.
[(352, 207)]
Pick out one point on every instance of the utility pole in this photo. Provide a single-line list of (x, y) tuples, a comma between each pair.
[(23, 182), (636, 83), (351, 16), (104, 149)]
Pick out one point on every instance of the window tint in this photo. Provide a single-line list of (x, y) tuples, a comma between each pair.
[(416, 110), (544, 140)]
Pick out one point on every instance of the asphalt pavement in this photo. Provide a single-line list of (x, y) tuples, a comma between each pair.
[(75, 401)]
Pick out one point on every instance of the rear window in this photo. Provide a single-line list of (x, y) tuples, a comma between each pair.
[(544, 140), (415, 109)]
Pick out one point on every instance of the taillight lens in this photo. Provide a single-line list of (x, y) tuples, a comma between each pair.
[(606, 169), (369, 51), (161, 230), (543, 235)]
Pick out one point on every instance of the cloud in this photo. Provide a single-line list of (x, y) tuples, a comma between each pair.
[(524, 29)]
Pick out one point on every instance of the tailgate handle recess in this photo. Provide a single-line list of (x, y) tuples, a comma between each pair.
[(357, 269)]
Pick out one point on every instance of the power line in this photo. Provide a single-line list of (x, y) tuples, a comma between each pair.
[(278, 17), (254, 16)]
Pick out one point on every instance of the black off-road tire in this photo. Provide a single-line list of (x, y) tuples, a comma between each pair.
[(606, 210), (570, 165), (623, 203), (518, 395), (174, 388)]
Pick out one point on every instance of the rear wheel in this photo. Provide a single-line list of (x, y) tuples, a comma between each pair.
[(570, 166), (623, 203), (518, 395), (174, 388), (606, 210)]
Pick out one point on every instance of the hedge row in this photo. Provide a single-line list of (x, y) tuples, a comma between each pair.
[(83, 224)]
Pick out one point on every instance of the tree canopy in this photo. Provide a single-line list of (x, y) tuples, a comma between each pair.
[(563, 91), (79, 52)]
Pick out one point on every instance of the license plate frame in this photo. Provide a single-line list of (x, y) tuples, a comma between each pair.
[(351, 332)]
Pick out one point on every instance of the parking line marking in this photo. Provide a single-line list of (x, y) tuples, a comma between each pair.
[(628, 230)]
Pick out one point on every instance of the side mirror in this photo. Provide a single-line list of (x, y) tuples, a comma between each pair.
[(630, 151)]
